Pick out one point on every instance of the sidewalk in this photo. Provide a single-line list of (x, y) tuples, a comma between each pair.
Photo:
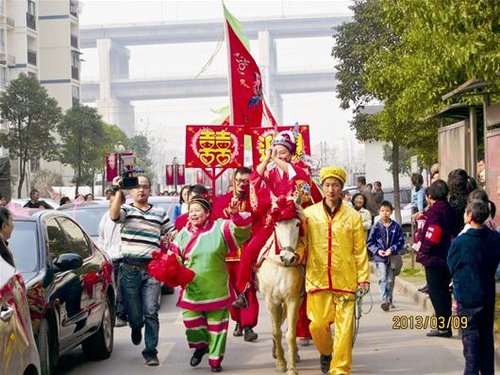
[(410, 290)]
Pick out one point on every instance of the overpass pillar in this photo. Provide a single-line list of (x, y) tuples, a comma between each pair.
[(268, 68), (114, 64)]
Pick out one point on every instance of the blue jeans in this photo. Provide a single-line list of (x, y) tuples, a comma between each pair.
[(141, 293), (385, 280)]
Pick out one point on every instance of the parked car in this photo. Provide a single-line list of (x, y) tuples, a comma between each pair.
[(18, 350), (70, 286), (87, 214)]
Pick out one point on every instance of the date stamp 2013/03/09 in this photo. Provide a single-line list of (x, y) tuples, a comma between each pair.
[(428, 322)]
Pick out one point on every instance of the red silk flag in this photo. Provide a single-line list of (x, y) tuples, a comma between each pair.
[(111, 166), (209, 146), (181, 176), (262, 138), (169, 174), (245, 80)]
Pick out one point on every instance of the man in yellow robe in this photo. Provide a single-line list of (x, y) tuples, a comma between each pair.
[(336, 267)]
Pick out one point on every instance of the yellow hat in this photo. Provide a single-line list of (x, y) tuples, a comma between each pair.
[(338, 172)]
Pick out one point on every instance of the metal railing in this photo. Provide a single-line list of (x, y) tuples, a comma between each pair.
[(31, 57), (31, 21)]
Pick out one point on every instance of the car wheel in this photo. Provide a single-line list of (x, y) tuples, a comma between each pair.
[(100, 344), (46, 351)]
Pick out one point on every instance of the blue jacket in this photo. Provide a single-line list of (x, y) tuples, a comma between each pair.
[(383, 238), (473, 259)]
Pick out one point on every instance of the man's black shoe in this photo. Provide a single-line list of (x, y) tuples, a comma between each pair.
[(136, 336), (197, 356), (152, 360), (241, 301), (439, 333), (250, 335), (217, 369), (324, 361), (237, 330)]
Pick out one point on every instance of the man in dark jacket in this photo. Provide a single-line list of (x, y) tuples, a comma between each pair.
[(473, 260)]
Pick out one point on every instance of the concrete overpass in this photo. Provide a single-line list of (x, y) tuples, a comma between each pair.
[(178, 88), (208, 31), (115, 90)]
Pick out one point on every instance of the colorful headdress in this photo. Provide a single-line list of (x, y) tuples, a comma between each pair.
[(337, 172), (286, 139)]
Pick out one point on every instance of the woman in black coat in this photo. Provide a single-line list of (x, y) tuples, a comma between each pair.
[(438, 231)]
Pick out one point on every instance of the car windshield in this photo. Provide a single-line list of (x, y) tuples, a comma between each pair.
[(24, 246), (88, 218)]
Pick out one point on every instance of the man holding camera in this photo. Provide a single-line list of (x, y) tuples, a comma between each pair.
[(142, 225)]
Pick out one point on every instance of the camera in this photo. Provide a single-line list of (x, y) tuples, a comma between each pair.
[(128, 180)]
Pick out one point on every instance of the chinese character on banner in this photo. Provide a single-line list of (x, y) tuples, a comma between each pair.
[(181, 177), (111, 166), (262, 138), (169, 174), (209, 146)]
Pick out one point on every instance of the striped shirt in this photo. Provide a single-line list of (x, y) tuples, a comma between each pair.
[(141, 230)]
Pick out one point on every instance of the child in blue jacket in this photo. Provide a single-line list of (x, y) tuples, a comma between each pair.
[(473, 259), (385, 239)]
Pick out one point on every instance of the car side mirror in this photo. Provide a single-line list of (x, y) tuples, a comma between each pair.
[(68, 261)]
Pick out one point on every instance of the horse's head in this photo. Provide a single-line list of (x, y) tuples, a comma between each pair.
[(285, 217)]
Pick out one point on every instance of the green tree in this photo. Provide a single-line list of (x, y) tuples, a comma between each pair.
[(43, 180), (31, 115), (442, 44), (83, 135), (355, 44), (141, 148)]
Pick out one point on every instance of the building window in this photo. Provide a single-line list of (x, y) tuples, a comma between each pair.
[(31, 7)]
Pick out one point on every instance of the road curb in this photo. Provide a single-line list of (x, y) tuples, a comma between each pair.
[(423, 301)]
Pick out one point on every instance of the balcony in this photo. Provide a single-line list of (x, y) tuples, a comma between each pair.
[(75, 73), (76, 102), (31, 21), (31, 57), (74, 41)]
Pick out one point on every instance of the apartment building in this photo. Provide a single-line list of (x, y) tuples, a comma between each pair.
[(40, 37)]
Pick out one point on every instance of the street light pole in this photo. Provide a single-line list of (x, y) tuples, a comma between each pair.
[(175, 164)]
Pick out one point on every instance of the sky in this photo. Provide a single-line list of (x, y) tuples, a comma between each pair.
[(165, 120)]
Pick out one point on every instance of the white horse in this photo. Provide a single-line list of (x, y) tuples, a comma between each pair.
[(281, 282)]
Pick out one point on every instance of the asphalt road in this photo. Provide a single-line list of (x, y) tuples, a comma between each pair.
[(379, 348)]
